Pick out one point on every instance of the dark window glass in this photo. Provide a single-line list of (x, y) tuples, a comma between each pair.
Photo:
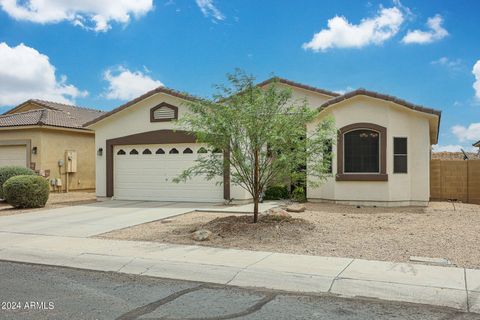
[(217, 150), (202, 150), (147, 151), (327, 156), (134, 151), (400, 162), (188, 150), (173, 151), (361, 151), (160, 151), (121, 152)]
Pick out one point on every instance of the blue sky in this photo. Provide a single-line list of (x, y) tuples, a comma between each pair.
[(102, 53)]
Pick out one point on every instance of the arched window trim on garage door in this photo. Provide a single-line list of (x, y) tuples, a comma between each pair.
[(382, 174), (157, 137)]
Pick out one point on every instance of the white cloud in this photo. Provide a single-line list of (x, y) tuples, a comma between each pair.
[(436, 32), (453, 148), (476, 84), (25, 74), (470, 133), (209, 10), (343, 91), (126, 85), (90, 14), (446, 62), (340, 33)]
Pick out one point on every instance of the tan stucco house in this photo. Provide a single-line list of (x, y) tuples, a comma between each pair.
[(49, 138), (382, 156)]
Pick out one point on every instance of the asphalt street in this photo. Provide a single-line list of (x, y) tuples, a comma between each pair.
[(43, 292)]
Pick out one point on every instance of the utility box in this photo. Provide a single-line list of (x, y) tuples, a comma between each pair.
[(70, 161)]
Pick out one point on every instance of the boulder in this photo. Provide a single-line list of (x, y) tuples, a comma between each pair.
[(279, 214), (201, 235), (296, 208)]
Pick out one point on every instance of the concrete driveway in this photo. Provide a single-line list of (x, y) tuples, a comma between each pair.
[(92, 219)]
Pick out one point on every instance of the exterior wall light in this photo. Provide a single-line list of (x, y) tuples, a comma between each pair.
[(100, 152), (34, 150)]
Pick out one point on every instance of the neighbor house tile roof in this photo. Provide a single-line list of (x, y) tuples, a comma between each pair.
[(298, 85), (51, 114), (476, 144), (445, 155)]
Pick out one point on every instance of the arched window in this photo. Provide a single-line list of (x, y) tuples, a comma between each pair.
[(160, 151), (147, 151), (173, 151), (121, 152), (202, 150), (362, 151), (134, 151), (188, 150)]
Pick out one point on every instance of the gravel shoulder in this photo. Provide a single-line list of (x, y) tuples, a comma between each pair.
[(441, 230), (55, 200)]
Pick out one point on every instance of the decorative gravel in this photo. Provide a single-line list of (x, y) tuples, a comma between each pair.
[(441, 230)]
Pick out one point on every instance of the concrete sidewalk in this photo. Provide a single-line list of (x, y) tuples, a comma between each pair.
[(443, 286)]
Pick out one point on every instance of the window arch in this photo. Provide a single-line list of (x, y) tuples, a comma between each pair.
[(134, 151), (160, 151), (188, 150), (202, 150), (173, 151), (361, 153), (147, 151), (121, 152)]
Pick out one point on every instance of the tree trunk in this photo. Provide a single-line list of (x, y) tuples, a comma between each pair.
[(256, 182)]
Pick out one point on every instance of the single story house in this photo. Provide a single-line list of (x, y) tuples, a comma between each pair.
[(49, 138), (382, 156)]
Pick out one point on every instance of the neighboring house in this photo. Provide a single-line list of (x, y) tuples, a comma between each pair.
[(49, 138), (382, 156), (445, 155)]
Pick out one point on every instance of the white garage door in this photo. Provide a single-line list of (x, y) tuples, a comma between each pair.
[(13, 156), (146, 172)]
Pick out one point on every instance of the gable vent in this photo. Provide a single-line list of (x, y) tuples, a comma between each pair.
[(164, 113)]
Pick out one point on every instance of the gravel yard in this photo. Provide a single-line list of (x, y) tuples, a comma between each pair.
[(55, 200), (442, 230)]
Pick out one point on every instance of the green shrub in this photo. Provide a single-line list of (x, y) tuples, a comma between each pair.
[(26, 191), (276, 193), (11, 171), (298, 194)]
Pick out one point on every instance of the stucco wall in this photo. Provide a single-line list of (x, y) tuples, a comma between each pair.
[(136, 119), (51, 146), (400, 122)]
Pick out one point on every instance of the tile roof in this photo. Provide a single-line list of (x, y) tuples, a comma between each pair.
[(298, 85), (52, 114), (454, 155), (476, 144)]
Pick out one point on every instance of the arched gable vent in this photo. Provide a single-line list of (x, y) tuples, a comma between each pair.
[(163, 112)]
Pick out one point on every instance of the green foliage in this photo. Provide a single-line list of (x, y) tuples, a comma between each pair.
[(26, 191), (276, 193), (265, 131), (299, 195), (11, 171)]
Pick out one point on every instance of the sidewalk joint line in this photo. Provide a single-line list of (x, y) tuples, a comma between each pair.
[(126, 263), (466, 288), (339, 274), (245, 268)]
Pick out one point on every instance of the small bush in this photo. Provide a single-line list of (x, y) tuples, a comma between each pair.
[(298, 194), (26, 191), (11, 171), (276, 193)]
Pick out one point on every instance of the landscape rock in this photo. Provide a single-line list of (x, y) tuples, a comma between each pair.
[(296, 208), (201, 235), (279, 214)]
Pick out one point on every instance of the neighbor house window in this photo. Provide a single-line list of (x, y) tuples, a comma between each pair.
[(400, 155), (361, 153)]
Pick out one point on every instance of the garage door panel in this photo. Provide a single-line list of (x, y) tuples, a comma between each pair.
[(150, 176), (13, 156)]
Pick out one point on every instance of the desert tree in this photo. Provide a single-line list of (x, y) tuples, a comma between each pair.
[(262, 134)]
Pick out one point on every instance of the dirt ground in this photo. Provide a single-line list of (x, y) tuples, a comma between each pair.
[(55, 200), (441, 230)]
